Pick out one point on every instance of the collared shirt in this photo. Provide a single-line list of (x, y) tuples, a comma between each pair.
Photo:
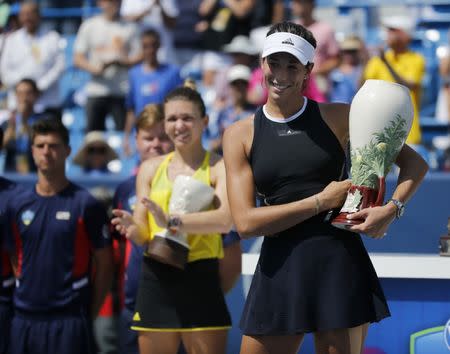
[(39, 57), (112, 40)]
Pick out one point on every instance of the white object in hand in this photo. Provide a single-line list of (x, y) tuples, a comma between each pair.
[(189, 195)]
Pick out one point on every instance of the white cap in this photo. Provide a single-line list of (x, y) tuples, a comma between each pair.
[(238, 72), (212, 61), (289, 43), (404, 23), (240, 44)]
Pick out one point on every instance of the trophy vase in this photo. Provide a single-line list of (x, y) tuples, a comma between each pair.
[(381, 115)]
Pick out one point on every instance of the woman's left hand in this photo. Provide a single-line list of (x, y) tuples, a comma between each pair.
[(376, 220), (161, 218)]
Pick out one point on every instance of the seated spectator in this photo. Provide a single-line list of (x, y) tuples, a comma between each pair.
[(149, 82), (95, 154), (242, 52), (238, 77), (16, 140), (187, 39), (160, 15), (32, 52), (346, 78), (401, 65), (106, 46)]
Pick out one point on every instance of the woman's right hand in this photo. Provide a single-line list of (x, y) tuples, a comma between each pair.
[(123, 222), (334, 195)]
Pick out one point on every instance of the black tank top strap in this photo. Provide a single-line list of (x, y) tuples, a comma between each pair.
[(331, 137)]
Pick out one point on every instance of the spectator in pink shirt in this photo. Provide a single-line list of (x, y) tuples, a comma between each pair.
[(327, 51)]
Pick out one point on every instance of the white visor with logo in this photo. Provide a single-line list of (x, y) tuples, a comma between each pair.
[(289, 43)]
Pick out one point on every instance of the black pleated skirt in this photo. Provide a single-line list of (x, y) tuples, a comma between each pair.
[(311, 278)]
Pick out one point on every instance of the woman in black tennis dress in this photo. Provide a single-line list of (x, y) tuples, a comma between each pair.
[(311, 277)]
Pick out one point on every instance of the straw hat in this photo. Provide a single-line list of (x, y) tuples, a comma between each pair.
[(350, 43), (96, 138)]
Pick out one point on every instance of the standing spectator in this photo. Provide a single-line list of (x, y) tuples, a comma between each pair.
[(7, 191), (106, 46), (95, 154), (160, 15), (149, 82), (187, 38), (327, 51), (17, 129), (346, 77), (401, 65), (267, 12), (34, 53), (56, 233)]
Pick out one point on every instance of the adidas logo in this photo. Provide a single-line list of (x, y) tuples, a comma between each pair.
[(136, 317), (288, 41)]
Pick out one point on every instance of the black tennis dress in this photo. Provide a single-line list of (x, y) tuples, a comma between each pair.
[(312, 276)]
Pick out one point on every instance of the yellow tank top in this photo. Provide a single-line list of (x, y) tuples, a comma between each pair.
[(202, 246)]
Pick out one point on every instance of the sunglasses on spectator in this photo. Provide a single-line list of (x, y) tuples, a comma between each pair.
[(96, 150)]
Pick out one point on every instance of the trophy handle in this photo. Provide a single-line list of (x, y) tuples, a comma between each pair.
[(381, 191)]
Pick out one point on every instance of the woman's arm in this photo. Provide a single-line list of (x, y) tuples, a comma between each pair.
[(267, 220)]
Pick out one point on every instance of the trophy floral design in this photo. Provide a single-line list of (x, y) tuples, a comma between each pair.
[(376, 138)]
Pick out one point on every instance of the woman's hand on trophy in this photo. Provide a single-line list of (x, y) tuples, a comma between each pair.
[(376, 221), (334, 194), (161, 218), (123, 222)]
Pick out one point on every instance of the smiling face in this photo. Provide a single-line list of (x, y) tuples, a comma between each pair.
[(183, 122), (283, 75)]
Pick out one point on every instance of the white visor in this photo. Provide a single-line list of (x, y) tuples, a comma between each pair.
[(289, 43)]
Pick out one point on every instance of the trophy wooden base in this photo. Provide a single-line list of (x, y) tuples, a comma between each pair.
[(166, 251), (444, 246), (341, 222)]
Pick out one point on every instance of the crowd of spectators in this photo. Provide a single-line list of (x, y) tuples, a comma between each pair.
[(136, 51)]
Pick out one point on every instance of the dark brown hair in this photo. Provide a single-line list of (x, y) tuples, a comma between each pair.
[(47, 126)]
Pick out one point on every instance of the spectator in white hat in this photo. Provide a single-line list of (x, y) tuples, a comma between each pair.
[(345, 79), (239, 108), (242, 51), (401, 65), (95, 154)]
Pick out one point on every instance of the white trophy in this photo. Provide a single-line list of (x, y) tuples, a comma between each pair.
[(189, 195), (381, 116)]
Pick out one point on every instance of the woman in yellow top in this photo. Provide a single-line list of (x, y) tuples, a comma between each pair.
[(181, 305)]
